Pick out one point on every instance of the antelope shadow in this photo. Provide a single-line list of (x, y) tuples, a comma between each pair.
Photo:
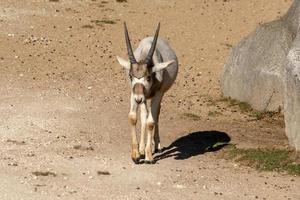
[(194, 144)]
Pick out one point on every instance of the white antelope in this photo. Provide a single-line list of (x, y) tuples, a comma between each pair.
[(152, 69)]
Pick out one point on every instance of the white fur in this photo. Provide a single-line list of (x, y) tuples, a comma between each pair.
[(160, 66), (124, 63), (165, 69)]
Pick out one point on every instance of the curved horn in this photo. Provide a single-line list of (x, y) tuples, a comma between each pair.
[(152, 49), (129, 48)]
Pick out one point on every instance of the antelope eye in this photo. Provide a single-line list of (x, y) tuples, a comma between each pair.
[(148, 78)]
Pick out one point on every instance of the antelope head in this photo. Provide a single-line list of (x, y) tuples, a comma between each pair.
[(141, 73)]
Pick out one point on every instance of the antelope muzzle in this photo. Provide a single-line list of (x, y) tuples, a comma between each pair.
[(139, 92)]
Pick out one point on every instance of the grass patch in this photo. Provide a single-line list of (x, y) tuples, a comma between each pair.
[(44, 173), (280, 160), (87, 26), (232, 102), (244, 106), (79, 147), (213, 113), (15, 142), (191, 116), (103, 173), (103, 21), (258, 115)]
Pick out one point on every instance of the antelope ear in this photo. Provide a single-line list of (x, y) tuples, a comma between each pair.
[(124, 63), (160, 66)]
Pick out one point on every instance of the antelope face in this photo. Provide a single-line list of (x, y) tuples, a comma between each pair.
[(141, 77), (141, 81), (142, 73)]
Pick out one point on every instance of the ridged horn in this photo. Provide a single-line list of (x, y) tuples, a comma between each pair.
[(152, 49), (129, 48)]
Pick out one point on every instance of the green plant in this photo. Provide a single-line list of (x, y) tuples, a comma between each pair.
[(265, 159), (103, 21), (262, 114), (87, 26), (213, 113), (191, 116)]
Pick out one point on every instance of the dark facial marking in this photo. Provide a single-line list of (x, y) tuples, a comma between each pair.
[(148, 78), (139, 70)]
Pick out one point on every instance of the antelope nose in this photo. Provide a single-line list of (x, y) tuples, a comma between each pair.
[(139, 100)]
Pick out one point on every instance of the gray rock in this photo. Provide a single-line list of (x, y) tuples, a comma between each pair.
[(292, 94), (253, 73), (264, 70), (291, 77)]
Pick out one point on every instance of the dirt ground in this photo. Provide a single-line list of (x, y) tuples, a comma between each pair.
[(64, 102)]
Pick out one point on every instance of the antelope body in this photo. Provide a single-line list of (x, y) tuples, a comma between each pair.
[(152, 69)]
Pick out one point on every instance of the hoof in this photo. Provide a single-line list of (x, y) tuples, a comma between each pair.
[(136, 160), (142, 156), (158, 150), (151, 162)]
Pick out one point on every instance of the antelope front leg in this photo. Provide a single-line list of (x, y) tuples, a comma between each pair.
[(156, 134), (132, 121), (151, 123), (144, 114)]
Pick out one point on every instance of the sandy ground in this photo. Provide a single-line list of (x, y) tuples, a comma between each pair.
[(64, 102)]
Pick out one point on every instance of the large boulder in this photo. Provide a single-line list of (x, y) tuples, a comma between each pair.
[(292, 94), (253, 72), (264, 70)]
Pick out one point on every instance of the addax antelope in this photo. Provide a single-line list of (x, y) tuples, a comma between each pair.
[(152, 69)]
